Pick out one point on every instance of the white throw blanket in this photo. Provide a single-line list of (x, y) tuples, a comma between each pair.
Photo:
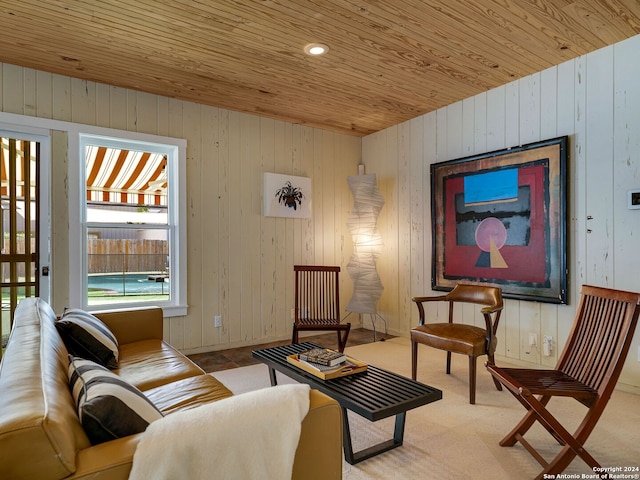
[(248, 436)]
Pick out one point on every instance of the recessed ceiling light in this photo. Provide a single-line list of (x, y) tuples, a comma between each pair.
[(316, 49)]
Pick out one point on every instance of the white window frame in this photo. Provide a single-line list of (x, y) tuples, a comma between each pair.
[(176, 159)]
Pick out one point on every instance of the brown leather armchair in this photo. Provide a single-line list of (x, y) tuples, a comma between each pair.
[(460, 338)]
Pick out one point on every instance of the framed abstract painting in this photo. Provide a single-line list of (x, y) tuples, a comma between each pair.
[(500, 219)]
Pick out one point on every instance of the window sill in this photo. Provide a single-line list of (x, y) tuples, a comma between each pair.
[(174, 311)]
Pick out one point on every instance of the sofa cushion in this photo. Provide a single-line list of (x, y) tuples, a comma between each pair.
[(187, 393), (88, 337), (108, 407), (151, 363)]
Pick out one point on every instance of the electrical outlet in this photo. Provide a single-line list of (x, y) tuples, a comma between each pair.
[(217, 321), (547, 345), (533, 339)]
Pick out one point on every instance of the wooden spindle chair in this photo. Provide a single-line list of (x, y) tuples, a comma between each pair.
[(317, 302)]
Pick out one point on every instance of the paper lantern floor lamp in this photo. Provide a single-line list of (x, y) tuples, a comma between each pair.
[(367, 245)]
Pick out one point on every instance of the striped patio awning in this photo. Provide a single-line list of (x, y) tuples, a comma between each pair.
[(113, 175), (14, 167), (125, 176)]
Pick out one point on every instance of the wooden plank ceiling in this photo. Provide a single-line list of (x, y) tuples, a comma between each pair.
[(389, 60)]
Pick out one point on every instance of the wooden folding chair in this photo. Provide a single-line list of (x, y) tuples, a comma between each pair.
[(587, 370), (317, 302)]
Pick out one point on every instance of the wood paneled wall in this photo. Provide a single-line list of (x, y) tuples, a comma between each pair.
[(240, 263), (594, 100)]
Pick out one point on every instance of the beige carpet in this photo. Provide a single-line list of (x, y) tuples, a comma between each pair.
[(451, 439)]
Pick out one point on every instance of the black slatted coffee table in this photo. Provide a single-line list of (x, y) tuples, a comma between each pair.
[(374, 395)]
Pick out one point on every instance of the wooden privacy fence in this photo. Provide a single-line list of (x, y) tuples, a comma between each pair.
[(114, 255), (127, 255), (13, 252)]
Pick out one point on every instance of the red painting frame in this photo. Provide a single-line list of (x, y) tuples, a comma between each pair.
[(499, 219)]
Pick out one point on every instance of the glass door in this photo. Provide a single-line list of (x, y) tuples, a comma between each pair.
[(19, 275)]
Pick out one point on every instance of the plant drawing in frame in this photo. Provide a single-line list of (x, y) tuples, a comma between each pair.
[(500, 219), (287, 196)]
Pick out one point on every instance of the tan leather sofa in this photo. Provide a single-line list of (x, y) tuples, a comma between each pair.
[(42, 438)]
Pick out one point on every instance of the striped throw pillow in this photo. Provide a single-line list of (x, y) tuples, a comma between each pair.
[(108, 407), (86, 336)]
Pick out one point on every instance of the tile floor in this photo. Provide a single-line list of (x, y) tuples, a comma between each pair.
[(241, 356)]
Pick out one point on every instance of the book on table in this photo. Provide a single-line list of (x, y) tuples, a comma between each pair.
[(327, 368), (322, 356), (325, 372)]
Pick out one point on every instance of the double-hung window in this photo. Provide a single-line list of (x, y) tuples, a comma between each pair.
[(132, 225)]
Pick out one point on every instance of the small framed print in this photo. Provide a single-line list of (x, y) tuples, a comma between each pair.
[(287, 196)]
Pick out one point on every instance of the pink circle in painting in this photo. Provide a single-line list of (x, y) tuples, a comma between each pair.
[(490, 228)]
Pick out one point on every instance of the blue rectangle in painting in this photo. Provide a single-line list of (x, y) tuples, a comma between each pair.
[(495, 186)]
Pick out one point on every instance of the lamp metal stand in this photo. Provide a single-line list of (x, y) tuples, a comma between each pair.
[(372, 316)]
